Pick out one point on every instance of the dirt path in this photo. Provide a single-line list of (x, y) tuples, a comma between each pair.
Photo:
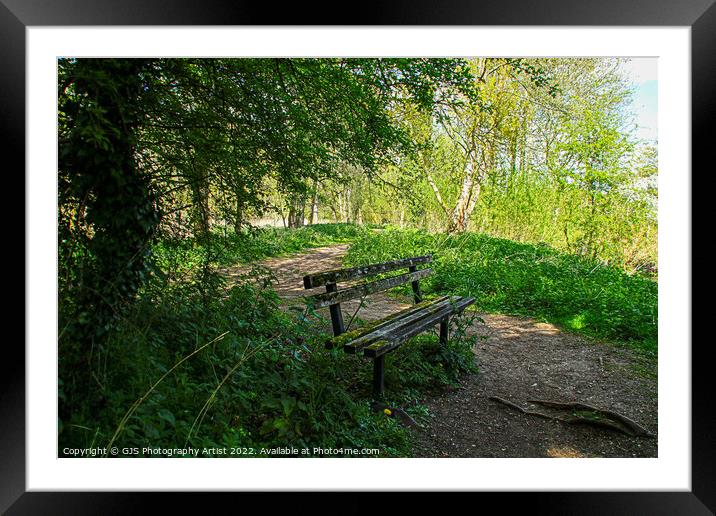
[(523, 359), (289, 272), (519, 359)]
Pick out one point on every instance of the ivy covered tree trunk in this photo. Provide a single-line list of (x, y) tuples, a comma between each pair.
[(98, 171)]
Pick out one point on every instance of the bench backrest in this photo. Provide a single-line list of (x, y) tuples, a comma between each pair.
[(333, 297)]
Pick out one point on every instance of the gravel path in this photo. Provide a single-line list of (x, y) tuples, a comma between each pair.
[(519, 359)]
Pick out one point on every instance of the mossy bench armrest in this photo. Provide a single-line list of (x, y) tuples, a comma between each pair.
[(380, 337)]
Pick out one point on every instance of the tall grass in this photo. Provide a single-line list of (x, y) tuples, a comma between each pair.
[(578, 293)]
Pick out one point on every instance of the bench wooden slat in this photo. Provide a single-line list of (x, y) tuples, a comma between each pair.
[(393, 340), (334, 276), (379, 333), (332, 298), (349, 336)]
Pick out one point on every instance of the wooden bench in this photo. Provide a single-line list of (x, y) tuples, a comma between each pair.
[(380, 337)]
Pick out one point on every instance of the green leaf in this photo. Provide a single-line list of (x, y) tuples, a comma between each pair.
[(167, 416)]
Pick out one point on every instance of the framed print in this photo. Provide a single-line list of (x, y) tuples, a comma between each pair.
[(335, 133)]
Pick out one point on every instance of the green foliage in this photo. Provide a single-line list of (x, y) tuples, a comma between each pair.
[(545, 153), (283, 387), (576, 292), (221, 134), (267, 381), (422, 364), (182, 148), (607, 226), (262, 242)]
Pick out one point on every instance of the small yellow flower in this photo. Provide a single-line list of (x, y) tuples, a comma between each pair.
[(387, 412)]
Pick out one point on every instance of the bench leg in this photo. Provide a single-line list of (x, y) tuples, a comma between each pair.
[(417, 295), (336, 313), (378, 369), (444, 331)]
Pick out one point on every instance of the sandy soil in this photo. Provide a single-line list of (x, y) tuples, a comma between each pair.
[(519, 359)]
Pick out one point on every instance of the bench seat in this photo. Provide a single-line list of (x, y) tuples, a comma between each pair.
[(380, 337)]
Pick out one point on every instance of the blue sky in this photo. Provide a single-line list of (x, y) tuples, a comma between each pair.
[(642, 73)]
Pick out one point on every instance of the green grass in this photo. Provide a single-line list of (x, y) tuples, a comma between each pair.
[(267, 382), (577, 293)]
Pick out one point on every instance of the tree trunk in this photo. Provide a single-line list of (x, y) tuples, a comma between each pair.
[(296, 211), (301, 211), (348, 205), (200, 211), (291, 217), (336, 214), (238, 215), (466, 202), (341, 216), (313, 219)]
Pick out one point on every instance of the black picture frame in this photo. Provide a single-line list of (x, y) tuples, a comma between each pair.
[(700, 15)]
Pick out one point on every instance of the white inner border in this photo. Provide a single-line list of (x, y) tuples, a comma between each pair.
[(670, 471)]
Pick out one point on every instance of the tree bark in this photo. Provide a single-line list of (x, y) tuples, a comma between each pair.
[(200, 212), (301, 211), (296, 211), (238, 214), (347, 205), (438, 197), (341, 216), (467, 200), (313, 219)]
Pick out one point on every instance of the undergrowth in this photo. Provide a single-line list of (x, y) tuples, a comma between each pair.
[(216, 366)]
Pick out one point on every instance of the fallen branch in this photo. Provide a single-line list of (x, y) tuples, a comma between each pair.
[(634, 427), (589, 415)]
